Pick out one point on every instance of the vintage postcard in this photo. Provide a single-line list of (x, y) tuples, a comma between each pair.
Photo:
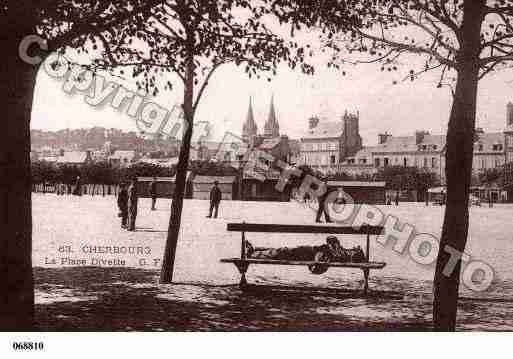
[(256, 166)]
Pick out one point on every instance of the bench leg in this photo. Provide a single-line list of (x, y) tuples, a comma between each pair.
[(366, 281), (243, 282), (243, 268)]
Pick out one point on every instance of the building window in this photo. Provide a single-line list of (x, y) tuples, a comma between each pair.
[(434, 147), (405, 162), (483, 163), (433, 162), (424, 147), (497, 147), (376, 161), (425, 162), (333, 159), (480, 147), (385, 161)]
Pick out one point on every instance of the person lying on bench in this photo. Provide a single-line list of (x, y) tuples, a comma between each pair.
[(332, 251)]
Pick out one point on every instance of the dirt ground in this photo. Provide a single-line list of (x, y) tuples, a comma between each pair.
[(101, 293)]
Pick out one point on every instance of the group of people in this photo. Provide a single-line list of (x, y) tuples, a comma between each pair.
[(396, 199), (127, 203), (61, 189)]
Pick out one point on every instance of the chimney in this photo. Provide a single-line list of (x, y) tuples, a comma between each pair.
[(383, 137), (419, 136), (313, 122), (509, 114)]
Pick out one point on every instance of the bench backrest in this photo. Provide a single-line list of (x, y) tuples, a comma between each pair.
[(298, 228)]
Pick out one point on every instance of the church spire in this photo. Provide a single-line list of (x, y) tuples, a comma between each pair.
[(272, 128), (249, 128)]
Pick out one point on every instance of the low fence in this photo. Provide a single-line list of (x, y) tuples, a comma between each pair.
[(85, 189)]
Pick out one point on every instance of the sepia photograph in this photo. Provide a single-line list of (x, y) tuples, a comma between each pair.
[(328, 166)]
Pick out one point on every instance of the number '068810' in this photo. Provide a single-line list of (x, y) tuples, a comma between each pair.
[(28, 345)]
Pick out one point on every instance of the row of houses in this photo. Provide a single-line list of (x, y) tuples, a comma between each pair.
[(334, 146), (78, 158), (427, 152)]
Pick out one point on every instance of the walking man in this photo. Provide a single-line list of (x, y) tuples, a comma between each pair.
[(123, 204), (215, 199), (322, 207), (153, 193), (132, 204)]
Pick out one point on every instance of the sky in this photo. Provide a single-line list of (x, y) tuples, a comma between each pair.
[(399, 109)]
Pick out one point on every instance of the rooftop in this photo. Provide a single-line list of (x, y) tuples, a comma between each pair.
[(211, 179), (355, 184), (73, 157), (325, 128)]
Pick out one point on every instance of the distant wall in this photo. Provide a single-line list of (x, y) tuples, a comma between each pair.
[(364, 194), (202, 190)]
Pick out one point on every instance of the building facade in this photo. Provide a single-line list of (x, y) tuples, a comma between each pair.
[(328, 143), (427, 152), (335, 146)]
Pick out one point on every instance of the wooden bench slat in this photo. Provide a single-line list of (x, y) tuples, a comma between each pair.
[(295, 228), (368, 265)]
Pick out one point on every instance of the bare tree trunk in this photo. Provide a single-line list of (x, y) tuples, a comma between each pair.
[(18, 82), (459, 152), (168, 262)]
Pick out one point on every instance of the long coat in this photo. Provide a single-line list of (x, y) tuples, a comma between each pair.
[(123, 200), (133, 198), (215, 195)]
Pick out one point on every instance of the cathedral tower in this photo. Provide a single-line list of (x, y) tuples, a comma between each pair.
[(272, 128), (249, 128)]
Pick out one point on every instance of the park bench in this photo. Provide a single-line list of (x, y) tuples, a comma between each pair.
[(243, 262)]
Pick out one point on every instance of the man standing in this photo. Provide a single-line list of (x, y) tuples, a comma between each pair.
[(153, 193), (78, 187), (215, 199), (132, 204), (322, 206), (123, 204)]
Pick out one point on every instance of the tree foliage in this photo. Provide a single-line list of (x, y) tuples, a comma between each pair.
[(95, 172), (407, 178), (389, 31), (490, 175)]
